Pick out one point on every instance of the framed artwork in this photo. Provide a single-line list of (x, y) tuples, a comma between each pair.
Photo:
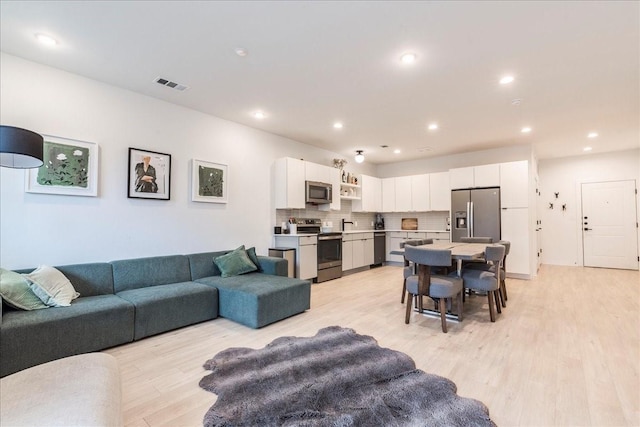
[(70, 168), (209, 182), (149, 175)]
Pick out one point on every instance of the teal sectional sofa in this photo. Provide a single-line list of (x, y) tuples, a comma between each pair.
[(127, 300)]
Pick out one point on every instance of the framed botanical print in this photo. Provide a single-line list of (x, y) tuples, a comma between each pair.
[(149, 175), (209, 182), (70, 168)]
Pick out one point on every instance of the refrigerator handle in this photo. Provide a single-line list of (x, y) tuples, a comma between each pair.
[(468, 219)]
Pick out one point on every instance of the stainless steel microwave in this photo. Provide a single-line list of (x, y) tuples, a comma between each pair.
[(319, 193)]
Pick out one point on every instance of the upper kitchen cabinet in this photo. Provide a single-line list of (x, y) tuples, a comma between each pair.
[(514, 184), (388, 195), (420, 191), (476, 176), (371, 195), (403, 194), (288, 183), (440, 191)]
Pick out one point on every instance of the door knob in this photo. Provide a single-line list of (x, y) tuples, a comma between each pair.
[(587, 229)]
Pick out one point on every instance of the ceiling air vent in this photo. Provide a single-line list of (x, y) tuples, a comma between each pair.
[(170, 84)]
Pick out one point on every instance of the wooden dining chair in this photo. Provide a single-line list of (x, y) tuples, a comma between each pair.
[(440, 288), (408, 269), (487, 280)]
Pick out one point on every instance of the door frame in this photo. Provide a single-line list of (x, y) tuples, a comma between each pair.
[(578, 225)]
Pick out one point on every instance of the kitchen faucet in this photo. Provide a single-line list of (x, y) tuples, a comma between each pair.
[(345, 222)]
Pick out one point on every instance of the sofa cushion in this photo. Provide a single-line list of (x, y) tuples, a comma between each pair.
[(89, 279), (138, 273), (15, 291), (162, 308), (251, 253), (235, 263), (51, 286), (28, 338), (257, 299)]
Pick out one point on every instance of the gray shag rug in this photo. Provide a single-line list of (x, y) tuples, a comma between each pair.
[(336, 378)]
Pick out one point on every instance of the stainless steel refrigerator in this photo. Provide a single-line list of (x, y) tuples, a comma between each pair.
[(475, 213)]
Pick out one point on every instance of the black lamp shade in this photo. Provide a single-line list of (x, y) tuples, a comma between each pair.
[(20, 148)]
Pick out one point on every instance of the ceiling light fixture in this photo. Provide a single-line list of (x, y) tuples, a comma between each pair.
[(338, 125), (408, 58), (433, 126), (587, 149), (259, 115), (359, 156), (592, 135), (46, 40), (506, 80), (526, 129), (20, 148), (396, 151)]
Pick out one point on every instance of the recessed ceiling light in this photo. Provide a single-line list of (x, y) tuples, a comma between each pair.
[(259, 115), (408, 58), (433, 126), (338, 125), (46, 40), (592, 135), (505, 80), (525, 129), (587, 149), (396, 151), (240, 51), (423, 149)]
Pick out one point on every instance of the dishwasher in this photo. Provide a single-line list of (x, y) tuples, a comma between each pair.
[(379, 248)]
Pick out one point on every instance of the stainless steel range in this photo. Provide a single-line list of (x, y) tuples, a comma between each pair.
[(329, 249)]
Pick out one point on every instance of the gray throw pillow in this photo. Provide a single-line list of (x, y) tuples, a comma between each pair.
[(235, 263), (251, 252)]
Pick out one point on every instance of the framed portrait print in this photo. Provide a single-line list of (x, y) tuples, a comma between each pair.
[(209, 182), (149, 175), (70, 168)]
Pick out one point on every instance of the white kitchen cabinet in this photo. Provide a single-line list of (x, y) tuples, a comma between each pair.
[(515, 229), (357, 250), (514, 184), (388, 195), (420, 200), (475, 176), (316, 172), (486, 176), (306, 253), (439, 236), (403, 194), (461, 178), (440, 191), (334, 176), (288, 183), (371, 195)]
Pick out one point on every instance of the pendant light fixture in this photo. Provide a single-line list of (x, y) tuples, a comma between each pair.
[(20, 148), (359, 156)]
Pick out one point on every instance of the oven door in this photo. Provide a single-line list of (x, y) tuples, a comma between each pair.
[(329, 252)]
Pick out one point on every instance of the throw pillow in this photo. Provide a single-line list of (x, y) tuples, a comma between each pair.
[(15, 291), (251, 252), (235, 263), (51, 286)]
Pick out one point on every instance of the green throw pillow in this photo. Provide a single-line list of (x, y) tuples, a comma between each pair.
[(235, 263), (15, 291), (251, 252)]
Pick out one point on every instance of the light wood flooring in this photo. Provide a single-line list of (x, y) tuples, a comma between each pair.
[(565, 351)]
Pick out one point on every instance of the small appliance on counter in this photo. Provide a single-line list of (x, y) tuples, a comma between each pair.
[(379, 223)]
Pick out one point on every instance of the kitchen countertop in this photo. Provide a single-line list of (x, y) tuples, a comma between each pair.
[(366, 231)]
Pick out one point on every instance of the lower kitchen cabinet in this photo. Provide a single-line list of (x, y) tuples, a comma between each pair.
[(306, 253), (357, 250)]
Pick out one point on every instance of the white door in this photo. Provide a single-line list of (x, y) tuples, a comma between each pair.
[(609, 233)]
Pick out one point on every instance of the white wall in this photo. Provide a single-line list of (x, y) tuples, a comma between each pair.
[(51, 229), (561, 230)]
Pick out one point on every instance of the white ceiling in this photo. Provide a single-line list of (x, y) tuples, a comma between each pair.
[(577, 67)]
